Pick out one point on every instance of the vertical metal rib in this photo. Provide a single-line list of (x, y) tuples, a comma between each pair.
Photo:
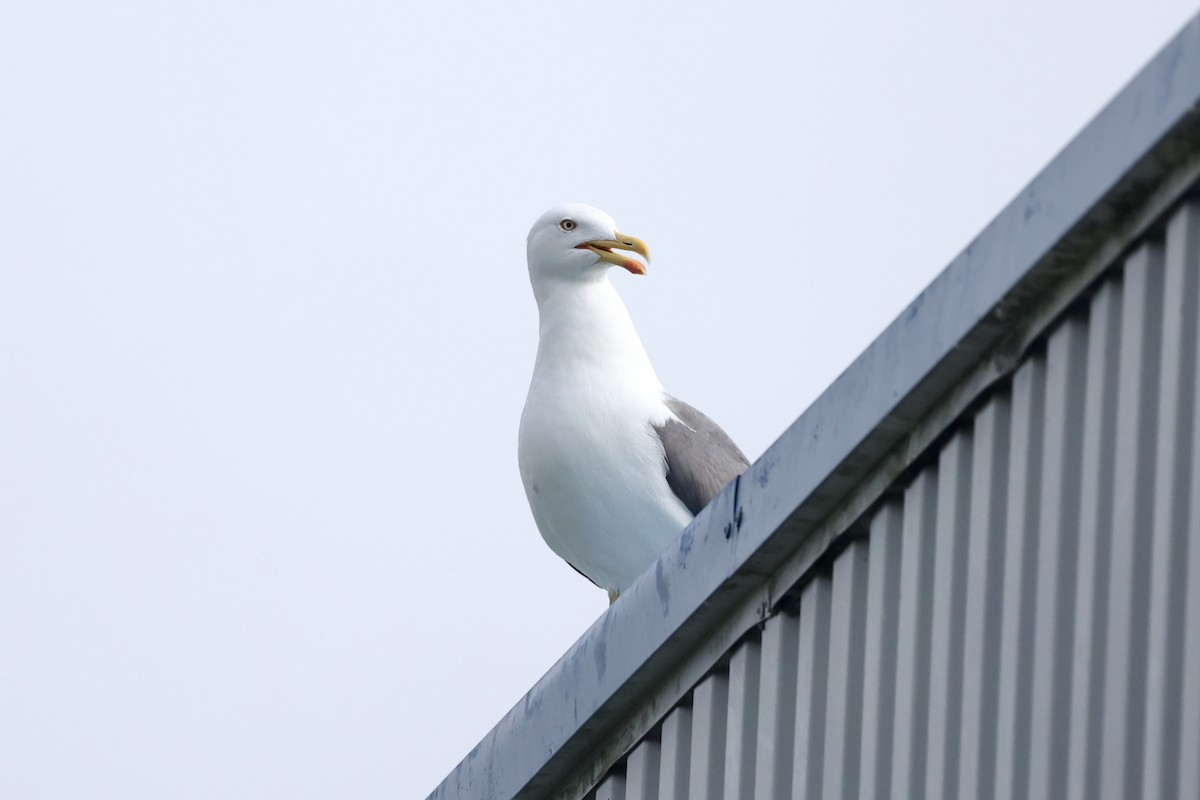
[(612, 787), (812, 676), (879, 650), (776, 707), (1020, 569), (641, 772), (675, 751), (741, 732), (912, 644), (985, 573), (1133, 492), (710, 704), (1095, 541), (949, 587), (1058, 533), (1177, 398), (843, 717), (1189, 711)]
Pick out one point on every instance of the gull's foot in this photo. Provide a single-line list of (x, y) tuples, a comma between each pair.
[(613, 594)]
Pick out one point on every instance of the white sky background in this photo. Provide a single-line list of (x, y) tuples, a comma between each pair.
[(266, 330)]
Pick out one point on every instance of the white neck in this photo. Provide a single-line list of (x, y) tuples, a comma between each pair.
[(585, 328)]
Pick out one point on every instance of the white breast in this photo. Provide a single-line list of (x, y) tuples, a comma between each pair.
[(592, 465)]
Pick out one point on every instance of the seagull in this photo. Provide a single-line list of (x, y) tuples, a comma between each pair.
[(614, 467)]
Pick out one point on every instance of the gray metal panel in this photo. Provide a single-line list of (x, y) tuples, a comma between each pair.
[(1054, 601), (675, 753), (879, 648), (843, 711), (1133, 491), (812, 674), (742, 721), (776, 708), (912, 646), (984, 575), (1168, 549), (943, 328), (974, 321), (1096, 484), (946, 636), (964, 646), (1020, 570), (710, 702), (1189, 651), (641, 772), (612, 788)]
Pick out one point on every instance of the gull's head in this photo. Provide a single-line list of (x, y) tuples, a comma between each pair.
[(576, 242)]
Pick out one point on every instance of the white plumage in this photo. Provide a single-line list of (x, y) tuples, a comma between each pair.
[(591, 449)]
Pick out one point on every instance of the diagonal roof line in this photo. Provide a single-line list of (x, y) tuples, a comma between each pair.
[(1113, 167)]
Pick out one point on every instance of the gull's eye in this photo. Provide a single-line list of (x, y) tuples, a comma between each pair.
[(567, 224)]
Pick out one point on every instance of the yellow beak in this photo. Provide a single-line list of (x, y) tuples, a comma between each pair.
[(604, 249)]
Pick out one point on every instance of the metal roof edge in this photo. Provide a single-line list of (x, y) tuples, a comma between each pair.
[(1113, 165)]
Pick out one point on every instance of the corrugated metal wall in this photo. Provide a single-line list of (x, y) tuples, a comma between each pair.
[(1022, 617)]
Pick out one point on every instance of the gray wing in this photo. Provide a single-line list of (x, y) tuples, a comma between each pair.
[(701, 458)]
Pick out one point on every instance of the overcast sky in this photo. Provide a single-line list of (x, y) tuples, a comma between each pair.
[(266, 330)]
